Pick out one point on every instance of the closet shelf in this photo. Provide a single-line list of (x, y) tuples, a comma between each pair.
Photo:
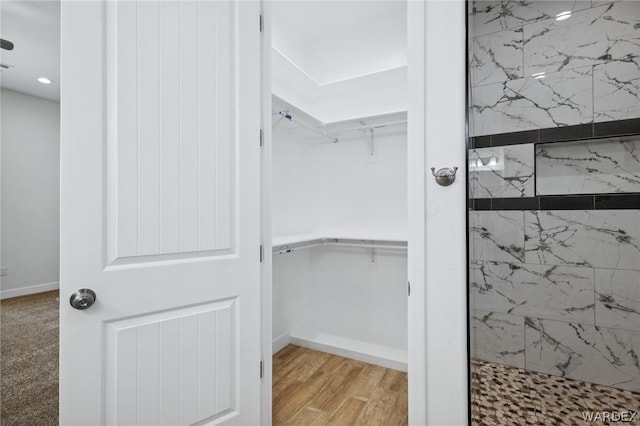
[(289, 245), (331, 130)]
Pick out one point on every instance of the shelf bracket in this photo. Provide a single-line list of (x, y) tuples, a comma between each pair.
[(372, 146), (369, 131)]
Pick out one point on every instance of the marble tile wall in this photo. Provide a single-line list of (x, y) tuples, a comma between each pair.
[(600, 166), (531, 71), (617, 298), (504, 171), (561, 99), (593, 238), (558, 292), (497, 236), (496, 57), (493, 16), (555, 291), (617, 93), (544, 291), (507, 329), (600, 355), (588, 167)]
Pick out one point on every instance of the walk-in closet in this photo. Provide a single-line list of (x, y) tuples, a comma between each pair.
[(339, 212)]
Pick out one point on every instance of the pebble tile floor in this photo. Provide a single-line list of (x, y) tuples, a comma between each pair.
[(511, 396)]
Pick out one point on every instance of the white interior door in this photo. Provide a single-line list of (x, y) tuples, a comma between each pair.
[(160, 199)]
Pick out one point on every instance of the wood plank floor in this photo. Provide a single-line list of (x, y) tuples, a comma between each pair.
[(317, 388)]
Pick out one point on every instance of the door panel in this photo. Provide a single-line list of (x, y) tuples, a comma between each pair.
[(175, 367), (171, 137), (160, 212)]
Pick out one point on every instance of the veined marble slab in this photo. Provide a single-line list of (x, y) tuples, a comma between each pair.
[(491, 16), (552, 292), (622, 19), (618, 298), (579, 41), (499, 338), (589, 37), (560, 99), (588, 167), (497, 235), (616, 90), (505, 171), (497, 57), (594, 354), (596, 238)]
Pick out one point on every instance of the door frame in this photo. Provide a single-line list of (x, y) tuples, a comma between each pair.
[(438, 333), (266, 247), (437, 268), (416, 191)]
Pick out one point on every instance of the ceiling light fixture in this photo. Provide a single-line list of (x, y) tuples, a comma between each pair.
[(563, 15), (44, 80), (539, 75)]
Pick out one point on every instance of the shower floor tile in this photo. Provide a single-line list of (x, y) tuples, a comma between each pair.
[(503, 395)]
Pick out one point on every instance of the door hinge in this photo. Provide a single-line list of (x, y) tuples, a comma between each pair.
[(408, 288), (261, 23), (260, 253), (261, 138), (261, 370)]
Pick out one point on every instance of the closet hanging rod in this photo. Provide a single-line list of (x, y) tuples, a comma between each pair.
[(372, 126), (291, 248), (367, 245), (289, 117), (337, 242)]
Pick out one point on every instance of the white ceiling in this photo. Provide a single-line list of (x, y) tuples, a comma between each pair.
[(337, 60), (340, 60), (337, 41), (34, 28)]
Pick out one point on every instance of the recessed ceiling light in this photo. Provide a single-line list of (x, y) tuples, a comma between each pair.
[(539, 75), (44, 80), (563, 15)]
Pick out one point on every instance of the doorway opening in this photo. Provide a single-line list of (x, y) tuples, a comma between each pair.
[(340, 208), (339, 212), (30, 205)]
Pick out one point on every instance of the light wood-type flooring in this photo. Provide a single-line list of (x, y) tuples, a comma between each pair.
[(317, 388)]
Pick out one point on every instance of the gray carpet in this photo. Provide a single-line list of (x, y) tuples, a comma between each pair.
[(29, 360)]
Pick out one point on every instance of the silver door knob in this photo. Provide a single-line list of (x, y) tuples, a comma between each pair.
[(83, 298)]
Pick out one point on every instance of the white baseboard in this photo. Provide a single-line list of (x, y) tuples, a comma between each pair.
[(280, 342), (349, 353), (33, 289)]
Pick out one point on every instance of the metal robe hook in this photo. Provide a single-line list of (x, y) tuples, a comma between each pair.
[(444, 176)]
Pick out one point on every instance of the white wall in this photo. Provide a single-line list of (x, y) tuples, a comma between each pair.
[(293, 181), (291, 275), (335, 296), (325, 187), (30, 193)]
